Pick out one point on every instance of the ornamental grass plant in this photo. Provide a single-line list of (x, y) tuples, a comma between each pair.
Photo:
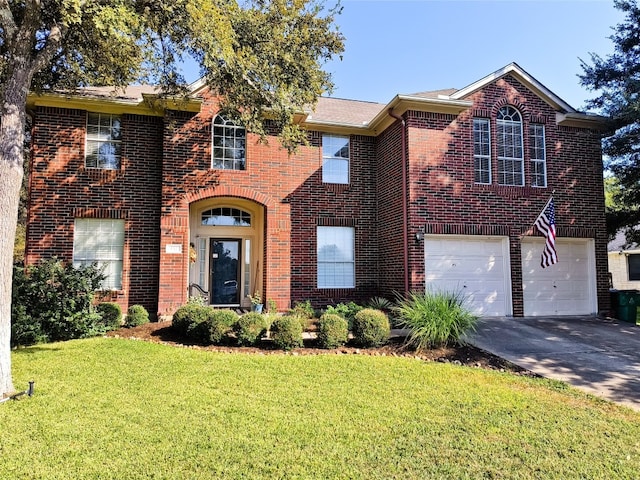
[(434, 318)]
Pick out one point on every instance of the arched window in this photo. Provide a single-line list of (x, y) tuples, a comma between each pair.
[(229, 142), (510, 149), (226, 217)]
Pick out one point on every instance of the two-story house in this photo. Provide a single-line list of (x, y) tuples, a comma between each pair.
[(431, 190)]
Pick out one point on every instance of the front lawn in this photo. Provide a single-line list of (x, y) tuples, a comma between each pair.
[(125, 409)]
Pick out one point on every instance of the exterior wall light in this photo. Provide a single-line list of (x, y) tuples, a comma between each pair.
[(420, 234)]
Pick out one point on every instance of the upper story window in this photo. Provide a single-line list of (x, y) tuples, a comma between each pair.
[(104, 141), (226, 217), (482, 150), (510, 147), (229, 144), (538, 156), (335, 159)]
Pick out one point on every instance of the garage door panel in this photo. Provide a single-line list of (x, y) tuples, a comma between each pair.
[(473, 266), (565, 288)]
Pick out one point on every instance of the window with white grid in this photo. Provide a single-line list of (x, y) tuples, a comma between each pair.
[(510, 149), (101, 241), (229, 142), (103, 141), (537, 153), (482, 150), (335, 159), (336, 257)]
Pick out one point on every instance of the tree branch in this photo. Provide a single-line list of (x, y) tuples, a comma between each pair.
[(6, 19)]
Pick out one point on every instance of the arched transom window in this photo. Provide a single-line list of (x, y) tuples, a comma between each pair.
[(510, 147), (226, 217), (229, 141)]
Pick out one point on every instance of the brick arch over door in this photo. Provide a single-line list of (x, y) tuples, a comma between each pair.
[(227, 191)]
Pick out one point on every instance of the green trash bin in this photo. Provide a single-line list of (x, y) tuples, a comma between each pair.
[(626, 305)]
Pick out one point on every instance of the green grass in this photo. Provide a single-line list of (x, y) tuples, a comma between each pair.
[(123, 409)]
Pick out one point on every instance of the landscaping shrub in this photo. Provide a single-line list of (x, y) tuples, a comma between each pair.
[(333, 331), (286, 332), (434, 319), (218, 324), (110, 314), (250, 327), (136, 315), (345, 310), (188, 316), (53, 301), (370, 328), (303, 310)]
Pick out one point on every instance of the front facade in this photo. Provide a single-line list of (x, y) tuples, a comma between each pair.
[(436, 190)]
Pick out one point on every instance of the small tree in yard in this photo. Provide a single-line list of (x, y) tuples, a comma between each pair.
[(259, 55)]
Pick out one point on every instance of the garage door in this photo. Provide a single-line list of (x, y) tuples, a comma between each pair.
[(477, 266), (566, 288)]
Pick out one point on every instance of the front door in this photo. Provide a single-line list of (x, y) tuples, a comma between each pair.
[(225, 271)]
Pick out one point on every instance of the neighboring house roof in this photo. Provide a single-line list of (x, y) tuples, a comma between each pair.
[(619, 243), (331, 114)]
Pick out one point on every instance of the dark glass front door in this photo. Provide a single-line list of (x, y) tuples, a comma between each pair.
[(225, 271)]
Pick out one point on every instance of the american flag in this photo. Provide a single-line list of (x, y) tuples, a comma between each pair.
[(546, 224)]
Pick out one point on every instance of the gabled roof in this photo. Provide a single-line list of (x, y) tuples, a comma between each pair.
[(330, 114)]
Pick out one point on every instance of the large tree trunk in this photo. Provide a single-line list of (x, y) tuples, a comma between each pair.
[(12, 124)]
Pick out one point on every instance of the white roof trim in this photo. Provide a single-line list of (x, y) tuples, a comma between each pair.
[(531, 82)]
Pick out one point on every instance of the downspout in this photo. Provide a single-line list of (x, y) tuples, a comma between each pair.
[(405, 208)]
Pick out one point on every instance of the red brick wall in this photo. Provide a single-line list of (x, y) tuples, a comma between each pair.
[(62, 189), (445, 199)]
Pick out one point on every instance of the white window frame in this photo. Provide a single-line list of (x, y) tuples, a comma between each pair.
[(482, 150), (538, 155), (101, 241), (336, 267), (510, 153), (230, 140), (336, 161), (103, 141)]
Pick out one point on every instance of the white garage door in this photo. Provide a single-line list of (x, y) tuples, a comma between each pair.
[(566, 288), (478, 266)]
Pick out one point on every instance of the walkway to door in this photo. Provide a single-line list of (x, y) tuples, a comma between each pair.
[(597, 355)]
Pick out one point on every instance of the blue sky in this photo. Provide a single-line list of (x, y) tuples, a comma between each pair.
[(411, 46)]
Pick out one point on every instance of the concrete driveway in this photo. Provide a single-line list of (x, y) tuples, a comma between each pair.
[(597, 355)]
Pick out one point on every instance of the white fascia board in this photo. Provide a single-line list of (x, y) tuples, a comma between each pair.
[(533, 84)]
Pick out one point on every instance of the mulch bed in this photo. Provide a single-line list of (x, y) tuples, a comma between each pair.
[(468, 355)]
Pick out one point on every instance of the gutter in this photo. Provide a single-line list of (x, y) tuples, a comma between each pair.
[(405, 207)]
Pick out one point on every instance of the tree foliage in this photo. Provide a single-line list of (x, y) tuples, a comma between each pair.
[(262, 56), (616, 78)]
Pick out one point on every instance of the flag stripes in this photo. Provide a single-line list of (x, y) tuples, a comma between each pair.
[(546, 224)]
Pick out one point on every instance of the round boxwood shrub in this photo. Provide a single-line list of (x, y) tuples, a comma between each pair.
[(333, 331), (218, 324), (110, 314), (136, 315), (286, 332), (188, 317), (371, 328), (250, 327)]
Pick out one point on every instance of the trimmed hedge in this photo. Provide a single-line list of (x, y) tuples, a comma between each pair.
[(286, 332), (136, 315), (333, 331), (371, 328), (111, 315), (250, 328)]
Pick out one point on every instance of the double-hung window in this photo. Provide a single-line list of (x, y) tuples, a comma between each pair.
[(103, 142), (336, 257), (537, 154), (482, 150), (510, 147), (335, 159), (229, 144), (101, 241)]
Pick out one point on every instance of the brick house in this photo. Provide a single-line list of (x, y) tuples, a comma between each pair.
[(431, 190)]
